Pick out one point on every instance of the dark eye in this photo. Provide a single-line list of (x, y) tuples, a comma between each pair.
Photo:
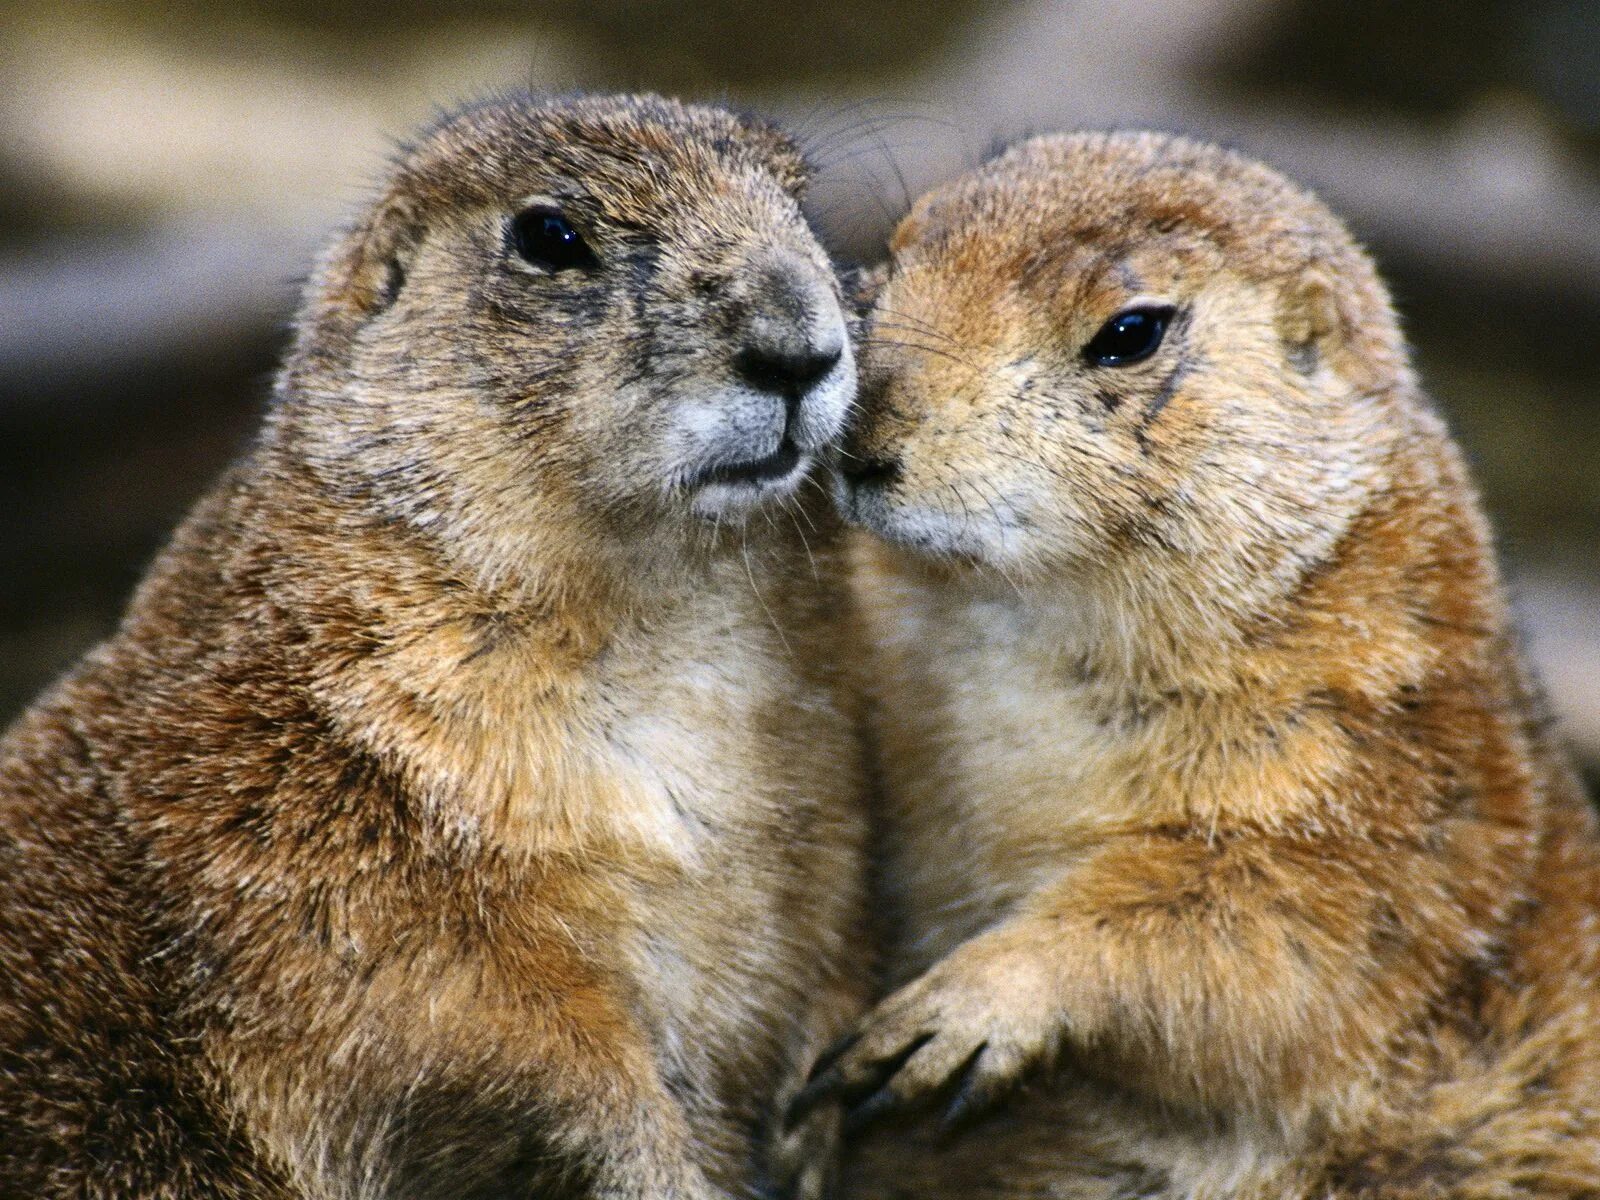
[(1128, 337), (545, 238)]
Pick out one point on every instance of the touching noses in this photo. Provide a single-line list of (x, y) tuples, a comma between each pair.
[(794, 335)]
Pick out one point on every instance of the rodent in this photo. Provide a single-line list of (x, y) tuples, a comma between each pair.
[(469, 803), (1229, 851)]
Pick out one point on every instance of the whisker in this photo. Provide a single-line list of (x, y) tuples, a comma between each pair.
[(909, 324), (937, 351), (1000, 524), (794, 502), (749, 573), (789, 510), (917, 322)]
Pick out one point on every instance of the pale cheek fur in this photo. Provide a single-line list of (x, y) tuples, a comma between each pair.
[(723, 424), (977, 493)]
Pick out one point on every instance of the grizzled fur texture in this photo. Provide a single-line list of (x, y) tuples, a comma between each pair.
[(1222, 814), (468, 804)]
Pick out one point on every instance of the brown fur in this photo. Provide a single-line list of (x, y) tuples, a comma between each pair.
[(1221, 812), (468, 804)]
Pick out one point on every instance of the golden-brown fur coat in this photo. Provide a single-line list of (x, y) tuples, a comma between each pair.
[(1221, 813), (468, 804)]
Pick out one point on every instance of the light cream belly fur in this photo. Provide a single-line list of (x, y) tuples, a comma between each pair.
[(999, 771), (733, 772), (733, 804), (696, 790)]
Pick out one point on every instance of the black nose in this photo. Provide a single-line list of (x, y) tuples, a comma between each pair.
[(869, 472), (790, 370)]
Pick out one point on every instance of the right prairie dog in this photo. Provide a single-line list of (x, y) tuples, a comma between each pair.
[(468, 805), (1216, 787)]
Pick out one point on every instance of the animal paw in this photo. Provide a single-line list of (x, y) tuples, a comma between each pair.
[(969, 1029)]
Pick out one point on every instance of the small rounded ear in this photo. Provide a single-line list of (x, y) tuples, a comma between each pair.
[(784, 157), (862, 285), (383, 254), (1311, 324), (911, 227)]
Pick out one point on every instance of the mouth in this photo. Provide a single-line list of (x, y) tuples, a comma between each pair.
[(780, 464), (862, 472)]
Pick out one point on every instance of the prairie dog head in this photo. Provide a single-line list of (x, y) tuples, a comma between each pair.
[(606, 309), (1100, 346)]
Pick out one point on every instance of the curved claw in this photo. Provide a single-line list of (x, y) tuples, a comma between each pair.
[(971, 1099), (875, 1096), (806, 1099), (818, 1088), (834, 1084), (879, 1103), (835, 1051)]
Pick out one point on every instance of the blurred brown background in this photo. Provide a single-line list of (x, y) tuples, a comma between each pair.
[(166, 170)]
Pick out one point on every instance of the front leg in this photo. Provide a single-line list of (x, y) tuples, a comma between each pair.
[(1218, 975)]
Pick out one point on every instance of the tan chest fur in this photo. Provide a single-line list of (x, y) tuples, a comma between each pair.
[(715, 763), (680, 797), (1011, 760), (998, 781), (633, 838)]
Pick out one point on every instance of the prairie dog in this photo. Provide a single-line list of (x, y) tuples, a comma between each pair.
[(468, 804), (1221, 810)]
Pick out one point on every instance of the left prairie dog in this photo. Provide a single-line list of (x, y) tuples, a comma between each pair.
[(1214, 776), (469, 804)]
